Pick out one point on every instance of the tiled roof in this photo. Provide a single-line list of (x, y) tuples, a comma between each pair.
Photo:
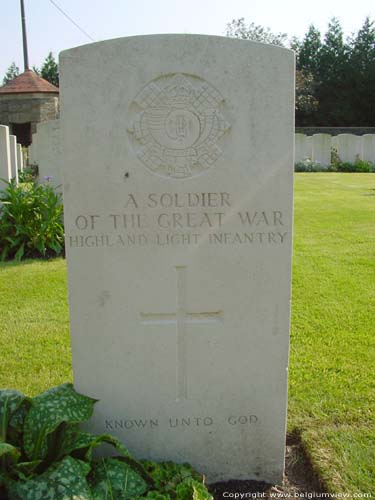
[(28, 82)]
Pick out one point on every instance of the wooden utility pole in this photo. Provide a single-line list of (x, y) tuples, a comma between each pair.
[(24, 37)]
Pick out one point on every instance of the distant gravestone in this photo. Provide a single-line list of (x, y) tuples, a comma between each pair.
[(33, 150), (178, 178), (5, 166), (369, 147), (321, 147), (49, 153), (19, 158), (303, 147), (349, 147), (13, 157)]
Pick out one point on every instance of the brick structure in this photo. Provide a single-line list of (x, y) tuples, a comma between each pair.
[(26, 101)]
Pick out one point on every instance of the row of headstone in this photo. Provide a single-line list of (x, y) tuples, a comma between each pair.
[(349, 148), (11, 156), (45, 152)]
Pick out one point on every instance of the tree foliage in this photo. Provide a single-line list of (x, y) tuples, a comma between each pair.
[(237, 28), (11, 73), (343, 72), (305, 92), (335, 77), (50, 70)]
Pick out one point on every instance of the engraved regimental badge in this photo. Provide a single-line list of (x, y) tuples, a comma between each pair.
[(178, 126)]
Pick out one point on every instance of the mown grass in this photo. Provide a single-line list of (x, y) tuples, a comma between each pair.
[(34, 326), (332, 388)]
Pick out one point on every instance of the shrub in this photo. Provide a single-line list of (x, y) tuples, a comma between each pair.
[(31, 221), (336, 165), (44, 454), (309, 166), (357, 166), (28, 174)]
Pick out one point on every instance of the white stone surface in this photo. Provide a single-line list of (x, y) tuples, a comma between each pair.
[(178, 178), (349, 147), (13, 157), (48, 153), (321, 149), (33, 155), (19, 158), (5, 166), (303, 147), (368, 144)]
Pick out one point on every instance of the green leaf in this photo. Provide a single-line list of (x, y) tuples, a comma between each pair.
[(16, 423), (65, 480), (167, 475), (49, 410), (24, 470), (10, 401), (10, 451), (154, 495), (19, 254), (114, 478), (18, 418), (75, 440), (190, 489)]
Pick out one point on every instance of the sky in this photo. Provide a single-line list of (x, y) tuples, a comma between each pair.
[(48, 30)]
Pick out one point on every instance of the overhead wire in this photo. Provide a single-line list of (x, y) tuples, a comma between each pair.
[(71, 20)]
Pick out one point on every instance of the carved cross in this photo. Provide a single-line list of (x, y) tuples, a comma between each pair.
[(181, 319)]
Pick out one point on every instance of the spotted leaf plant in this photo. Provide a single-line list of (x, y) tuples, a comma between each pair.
[(44, 455)]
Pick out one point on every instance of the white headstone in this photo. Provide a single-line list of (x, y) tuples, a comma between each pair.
[(303, 147), (5, 166), (33, 150), (13, 156), (349, 147), (178, 178), (368, 141), (321, 149), (19, 158), (49, 153)]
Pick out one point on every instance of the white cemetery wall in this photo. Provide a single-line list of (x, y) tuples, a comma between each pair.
[(5, 166), (178, 178)]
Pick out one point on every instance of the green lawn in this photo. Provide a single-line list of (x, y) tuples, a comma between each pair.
[(332, 388)]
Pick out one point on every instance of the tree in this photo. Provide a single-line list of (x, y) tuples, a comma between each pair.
[(306, 101), (238, 29), (308, 51), (362, 73), (11, 73), (333, 75), (50, 70)]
